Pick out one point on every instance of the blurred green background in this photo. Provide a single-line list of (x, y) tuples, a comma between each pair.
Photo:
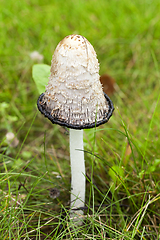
[(126, 37)]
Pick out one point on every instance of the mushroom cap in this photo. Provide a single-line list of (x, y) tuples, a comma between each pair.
[(74, 97)]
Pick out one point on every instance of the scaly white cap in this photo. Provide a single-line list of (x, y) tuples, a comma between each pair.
[(74, 95)]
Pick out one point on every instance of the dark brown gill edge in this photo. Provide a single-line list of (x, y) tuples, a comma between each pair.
[(54, 120)]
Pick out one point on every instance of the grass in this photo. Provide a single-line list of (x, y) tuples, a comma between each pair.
[(123, 198)]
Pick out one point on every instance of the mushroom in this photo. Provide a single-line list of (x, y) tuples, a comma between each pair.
[(12, 140), (74, 98)]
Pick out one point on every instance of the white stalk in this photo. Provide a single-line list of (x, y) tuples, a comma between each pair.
[(78, 180)]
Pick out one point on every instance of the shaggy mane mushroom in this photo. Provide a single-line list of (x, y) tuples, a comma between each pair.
[(74, 98)]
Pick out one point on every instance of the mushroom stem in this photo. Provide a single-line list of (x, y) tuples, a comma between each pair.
[(78, 180)]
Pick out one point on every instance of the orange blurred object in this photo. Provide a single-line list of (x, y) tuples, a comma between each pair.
[(108, 84)]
